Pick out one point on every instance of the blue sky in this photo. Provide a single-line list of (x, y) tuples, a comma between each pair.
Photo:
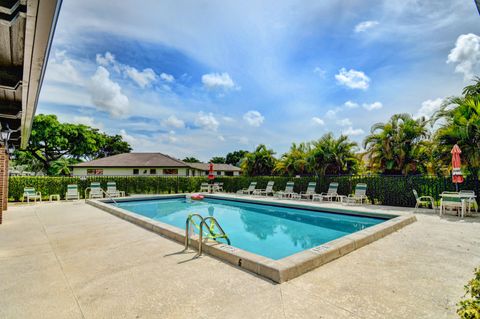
[(202, 78)]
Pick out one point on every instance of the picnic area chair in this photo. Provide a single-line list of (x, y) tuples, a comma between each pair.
[(218, 187), (72, 192), (360, 194), (471, 201), (30, 193), (308, 194), (423, 200), (288, 192), (265, 192), (453, 201), (112, 190), (248, 190), (95, 190)]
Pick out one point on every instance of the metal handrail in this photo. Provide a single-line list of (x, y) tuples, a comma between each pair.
[(203, 221), (106, 194)]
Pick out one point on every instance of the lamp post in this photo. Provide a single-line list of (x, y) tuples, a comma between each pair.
[(5, 134)]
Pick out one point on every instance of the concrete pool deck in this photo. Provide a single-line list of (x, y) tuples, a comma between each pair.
[(72, 260)]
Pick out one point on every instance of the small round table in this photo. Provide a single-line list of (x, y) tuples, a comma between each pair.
[(55, 196)]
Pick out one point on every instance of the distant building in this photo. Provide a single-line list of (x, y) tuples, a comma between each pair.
[(149, 164)]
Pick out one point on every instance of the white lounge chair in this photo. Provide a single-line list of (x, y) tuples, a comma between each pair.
[(265, 192), (424, 200), (248, 190), (95, 189), (288, 192), (330, 194), (30, 193), (72, 192), (204, 187), (112, 189), (360, 194), (308, 194), (218, 187)]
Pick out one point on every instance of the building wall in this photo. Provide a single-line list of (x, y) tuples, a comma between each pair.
[(119, 171)]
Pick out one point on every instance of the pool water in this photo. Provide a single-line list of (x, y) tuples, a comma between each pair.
[(271, 231)]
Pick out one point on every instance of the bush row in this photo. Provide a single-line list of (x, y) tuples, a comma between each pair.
[(386, 190)]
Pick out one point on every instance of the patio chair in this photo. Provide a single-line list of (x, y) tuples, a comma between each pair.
[(218, 187), (265, 192), (248, 190), (471, 201), (204, 187), (288, 192), (330, 194), (95, 191), (308, 194), (360, 194), (112, 190), (72, 192), (30, 193), (423, 200), (453, 201)]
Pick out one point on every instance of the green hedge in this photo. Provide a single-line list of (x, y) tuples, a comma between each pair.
[(387, 190)]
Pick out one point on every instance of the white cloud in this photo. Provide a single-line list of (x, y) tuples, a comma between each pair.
[(466, 55), (128, 138), (142, 78), (106, 94), (221, 138), (321, 72), (88, 121), (428, 108), (175, 122), (331, 114), (218, 80), (61, 69), (344, 122), (365, 25), (318, 121), (353, 131), (353, 79), (351, 105), (372, 106), (167, 77), (105, 60), (207, 121), (253, 118)]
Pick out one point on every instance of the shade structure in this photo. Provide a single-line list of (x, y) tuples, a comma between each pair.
[(210, 172), (457, 176)]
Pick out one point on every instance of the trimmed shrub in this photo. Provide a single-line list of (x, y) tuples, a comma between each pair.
[(386, 190), (469, 307)]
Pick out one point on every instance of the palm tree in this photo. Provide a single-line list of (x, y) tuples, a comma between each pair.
[(258, 163), (62, 166), (394, 147), (460, 124), (330, 155), (294, 162)]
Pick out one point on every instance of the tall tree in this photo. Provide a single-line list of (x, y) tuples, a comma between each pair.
[(394, 147), (51, 141), (261, 162), (295, 161), (217, 160), (234, 158), (330, 155), (459, 120), (191, 159)]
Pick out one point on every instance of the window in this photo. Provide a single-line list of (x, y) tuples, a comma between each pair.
[(219, 173), (206, 172), (229, 173), (170, 171), (94, 171), (135, 171), (153, 171)]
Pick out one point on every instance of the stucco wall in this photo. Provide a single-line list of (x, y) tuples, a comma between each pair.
[(118, 171)]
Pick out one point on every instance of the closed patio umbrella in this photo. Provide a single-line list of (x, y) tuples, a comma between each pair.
[(457, 176), (211, 176)]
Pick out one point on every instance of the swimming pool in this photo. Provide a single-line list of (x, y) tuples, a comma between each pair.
[(271, 231)]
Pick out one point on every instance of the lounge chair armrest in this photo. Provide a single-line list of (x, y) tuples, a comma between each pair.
[(426, 197)]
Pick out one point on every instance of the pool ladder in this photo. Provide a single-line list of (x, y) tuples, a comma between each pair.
[(210, 228)]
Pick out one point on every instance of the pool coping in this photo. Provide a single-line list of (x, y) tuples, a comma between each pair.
[(280, 270)]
